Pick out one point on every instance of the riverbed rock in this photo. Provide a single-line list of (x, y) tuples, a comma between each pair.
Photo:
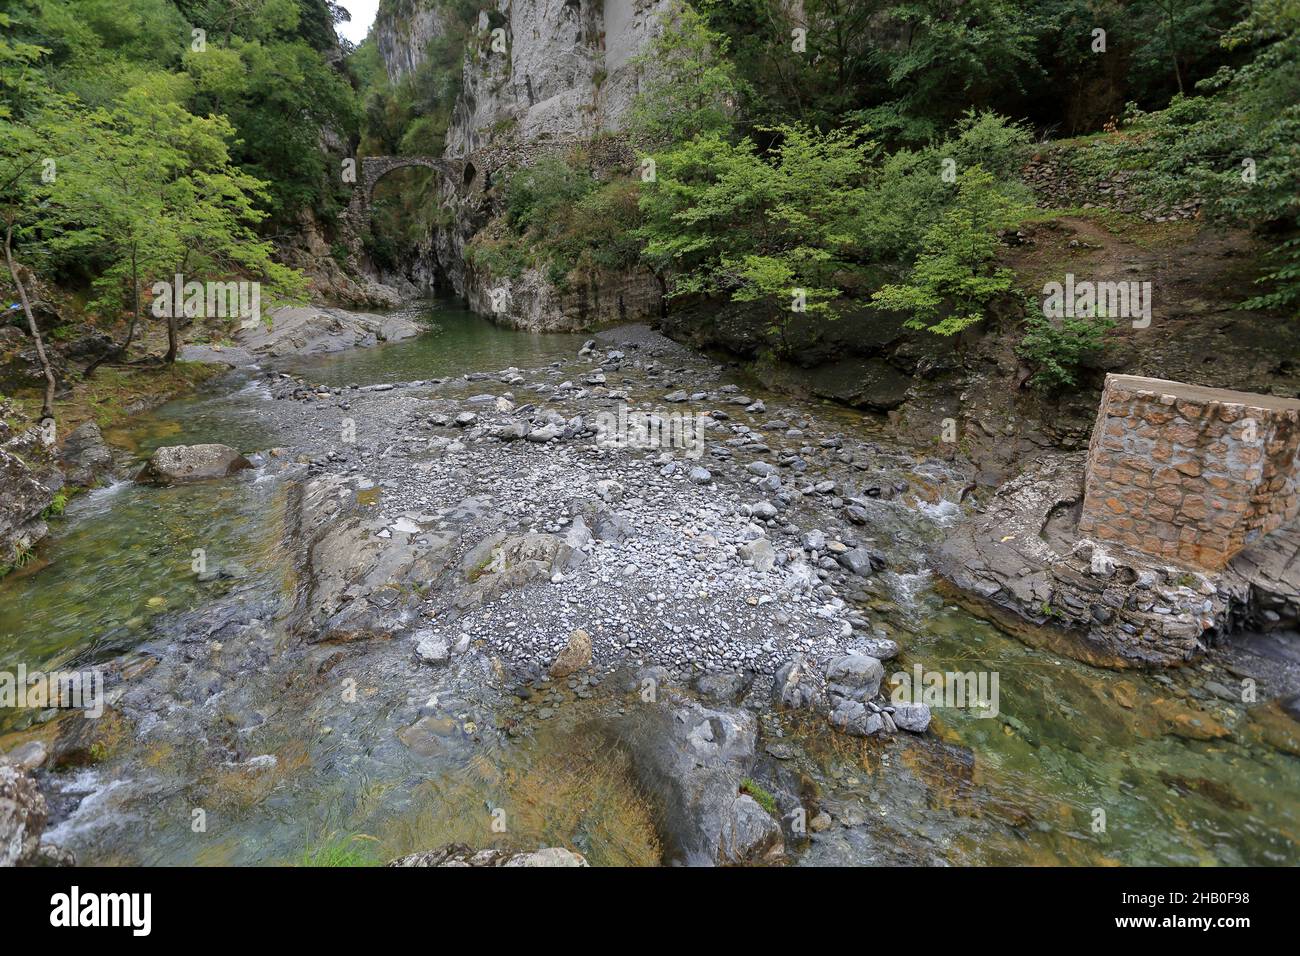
[(723, 687), (360, 584), (855, 676), (502, 562), (856, 561), (85, 741), (28, 756), (853, 717), (574, 657), (759, 553), (22, 816), (612, 526), (798, 686), (316, 330), (755, 835), (881, 648), (545, 433), (178, 464), (458, 854), (432, 649), (914, 718), (690, 759), (84, 455), (509, 431)]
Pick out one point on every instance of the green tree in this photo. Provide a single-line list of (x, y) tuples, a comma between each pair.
[(26, 107), (281, 96), (691, 88), (722, 219), (150, 189), (956, 277)]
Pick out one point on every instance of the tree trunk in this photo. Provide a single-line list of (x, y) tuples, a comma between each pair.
[(47, 406), (171, 338), (120, 350), (1173, 51)]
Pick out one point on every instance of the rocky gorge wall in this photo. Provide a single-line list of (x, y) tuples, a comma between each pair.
[(1189, 473), (567, 74), (569, 70)]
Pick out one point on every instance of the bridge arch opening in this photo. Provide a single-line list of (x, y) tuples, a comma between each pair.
[(375, 168)]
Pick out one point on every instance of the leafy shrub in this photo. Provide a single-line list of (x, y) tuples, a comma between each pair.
[(498, 256), (571, 222), (907, 194), (537, 195), (1057, 352)]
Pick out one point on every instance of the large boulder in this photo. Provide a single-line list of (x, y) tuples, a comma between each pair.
[(175, 464), (691, 760)]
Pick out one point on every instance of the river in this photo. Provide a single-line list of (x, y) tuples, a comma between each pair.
[(1080, 766)]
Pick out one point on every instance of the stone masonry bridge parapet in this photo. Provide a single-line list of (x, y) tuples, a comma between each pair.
[(1188, 473)]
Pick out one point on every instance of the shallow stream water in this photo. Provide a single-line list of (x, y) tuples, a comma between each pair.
[(1080, 766)]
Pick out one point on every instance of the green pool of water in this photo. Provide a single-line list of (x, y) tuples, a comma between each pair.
[(1104, 766), (458, 341)]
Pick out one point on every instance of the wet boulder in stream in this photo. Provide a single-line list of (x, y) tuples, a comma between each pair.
[(691, 760), (177, 464)]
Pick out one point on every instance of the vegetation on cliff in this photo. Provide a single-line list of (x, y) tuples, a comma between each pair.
[(869, 155)]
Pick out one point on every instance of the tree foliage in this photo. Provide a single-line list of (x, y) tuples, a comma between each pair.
[(955, 278)]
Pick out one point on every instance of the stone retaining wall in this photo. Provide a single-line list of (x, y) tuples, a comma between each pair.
[(1188, 473)]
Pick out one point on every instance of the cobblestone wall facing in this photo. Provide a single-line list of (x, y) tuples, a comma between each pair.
[(1188, 473)]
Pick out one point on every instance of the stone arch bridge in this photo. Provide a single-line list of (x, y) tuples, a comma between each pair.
[(375, 168)]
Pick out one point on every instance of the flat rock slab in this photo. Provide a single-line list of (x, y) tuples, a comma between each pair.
[(1023, 558), (313, 330)]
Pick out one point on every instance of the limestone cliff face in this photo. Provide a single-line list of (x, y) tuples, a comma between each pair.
[(568, 69), (403, 29), (539, 76)]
